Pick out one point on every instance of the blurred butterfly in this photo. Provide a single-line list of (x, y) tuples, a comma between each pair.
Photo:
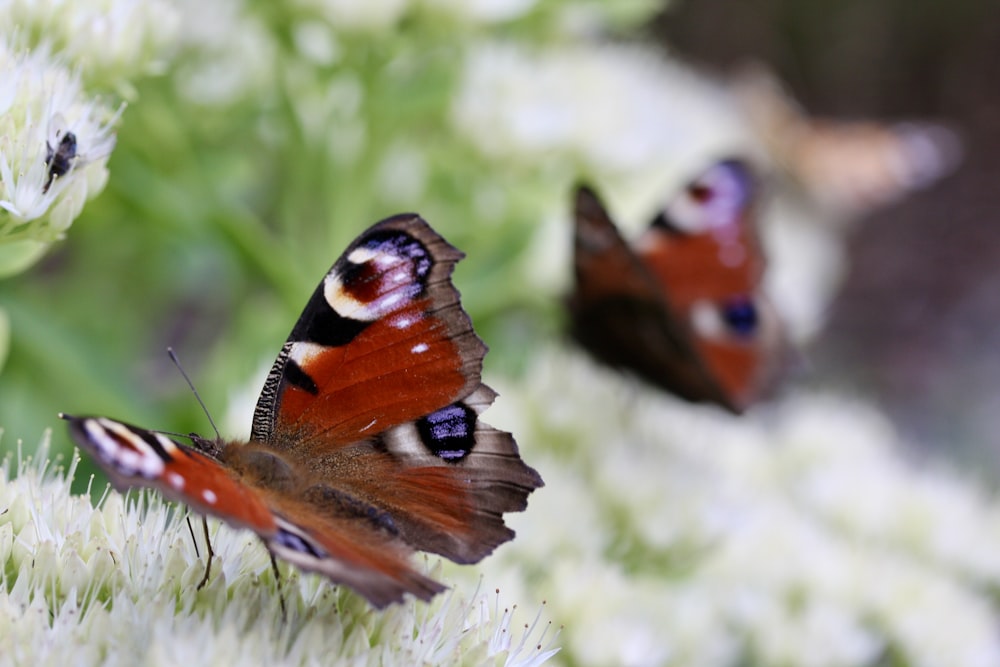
[(366, 442), (682, 307), (847, 166)]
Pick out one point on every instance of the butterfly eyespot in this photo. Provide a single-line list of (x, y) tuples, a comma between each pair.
[(449, 432), (700, 193), (129, 452), (395, 246), (288, 538), (737, 317), (715, 201), (741, 317), (378, 277)]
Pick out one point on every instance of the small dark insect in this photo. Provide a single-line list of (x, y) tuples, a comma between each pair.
[(60, 159)]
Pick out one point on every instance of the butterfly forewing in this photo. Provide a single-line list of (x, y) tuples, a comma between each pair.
[(135, 457), (382, 341)]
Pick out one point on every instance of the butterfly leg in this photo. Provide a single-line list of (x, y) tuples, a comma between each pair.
[(208, 563), (197, 552), (277, 586)]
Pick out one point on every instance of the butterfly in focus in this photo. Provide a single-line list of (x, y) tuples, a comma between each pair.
[(682, 307), (366, 443)]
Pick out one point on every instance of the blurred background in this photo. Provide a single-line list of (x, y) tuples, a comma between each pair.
[(916, 324)]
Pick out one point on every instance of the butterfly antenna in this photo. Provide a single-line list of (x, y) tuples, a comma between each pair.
[(177, 363)]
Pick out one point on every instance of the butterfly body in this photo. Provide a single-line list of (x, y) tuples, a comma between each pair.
[(366, 442), (682, 308)]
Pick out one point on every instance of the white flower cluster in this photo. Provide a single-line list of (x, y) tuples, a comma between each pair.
[(110, 41), (569, 15), (638, 127), (43, 105), (116, 585), (622, 114), (230, 53), (55, 134), (669, 534)]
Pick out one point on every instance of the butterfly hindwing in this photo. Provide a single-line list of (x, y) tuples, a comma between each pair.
[(464, 473)]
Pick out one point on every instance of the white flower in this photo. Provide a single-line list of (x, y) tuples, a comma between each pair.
[(116, 585), (350, 15), (116, 39), (229, 53), (621, 113), (483, 11), (41, 105), (675, 534)]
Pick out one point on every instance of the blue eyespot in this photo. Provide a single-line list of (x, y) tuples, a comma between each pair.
[(449, 433), (741, 316)]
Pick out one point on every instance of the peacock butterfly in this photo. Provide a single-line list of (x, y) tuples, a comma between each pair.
[(682, 308), (366, 442)]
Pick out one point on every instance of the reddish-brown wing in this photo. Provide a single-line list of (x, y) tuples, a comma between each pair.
[(132, 456), (621, 316), (382, 341), (684, 309), (349, 551)]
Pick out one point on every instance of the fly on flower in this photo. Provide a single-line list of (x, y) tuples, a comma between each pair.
[(60, 151)]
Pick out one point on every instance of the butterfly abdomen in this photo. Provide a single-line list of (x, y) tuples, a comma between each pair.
[(261, 467)]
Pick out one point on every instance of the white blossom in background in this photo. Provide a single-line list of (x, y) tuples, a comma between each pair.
[(228, 53), (362, 15), (111, 41), (41, 100), (483, 11), (115, 584), (619, 113), (638, 127), (676, 534), (570, 16)]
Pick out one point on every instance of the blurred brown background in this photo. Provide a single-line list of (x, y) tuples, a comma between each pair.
[(916, 326)]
